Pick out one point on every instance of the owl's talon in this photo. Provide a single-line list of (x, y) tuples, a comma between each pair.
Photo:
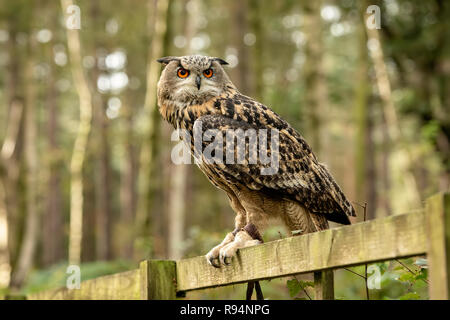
[(223, 260), (214, 262), (213, 256), (213, 259), (226, 254), (227, 261)]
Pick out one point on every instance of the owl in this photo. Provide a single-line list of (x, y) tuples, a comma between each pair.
[(264, 166)]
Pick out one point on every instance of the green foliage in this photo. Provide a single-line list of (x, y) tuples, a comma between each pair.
[(56, 276), (404, 279), (295, 286), (410, 296), (3, 292), (413, 279), (430, 130)]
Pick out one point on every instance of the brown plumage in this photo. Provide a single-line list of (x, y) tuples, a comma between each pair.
[(300, 191)]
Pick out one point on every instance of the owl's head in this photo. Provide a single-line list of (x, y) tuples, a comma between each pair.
[(192, 79)]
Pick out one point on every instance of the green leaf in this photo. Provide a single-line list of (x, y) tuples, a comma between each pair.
[(406, 277), (430, 130), (294, 287), (382, 266), (306, 284), (410, 296), (423, 274)]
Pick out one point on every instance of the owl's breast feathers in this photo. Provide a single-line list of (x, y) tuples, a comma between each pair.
[(299, 176)]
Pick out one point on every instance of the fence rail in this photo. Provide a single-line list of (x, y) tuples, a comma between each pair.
[(420, 232)]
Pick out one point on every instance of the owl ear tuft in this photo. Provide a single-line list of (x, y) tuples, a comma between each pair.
[(221, 61), (166, 60)]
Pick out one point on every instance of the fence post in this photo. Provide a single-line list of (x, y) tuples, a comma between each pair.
[(438, 231), (324, 285), (158, 279)]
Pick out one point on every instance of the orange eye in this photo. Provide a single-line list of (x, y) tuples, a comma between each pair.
[(182, 73), (208, 73)]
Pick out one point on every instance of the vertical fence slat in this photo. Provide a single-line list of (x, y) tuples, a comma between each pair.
[(438, 230), (158, 280), (324, 285)]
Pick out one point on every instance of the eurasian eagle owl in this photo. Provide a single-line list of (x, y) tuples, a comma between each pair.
[(196, 95)]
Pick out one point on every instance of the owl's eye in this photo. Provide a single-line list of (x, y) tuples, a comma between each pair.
[(208, 73), (182, 73)]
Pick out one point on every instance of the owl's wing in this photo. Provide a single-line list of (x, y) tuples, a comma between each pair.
[(290, 170)]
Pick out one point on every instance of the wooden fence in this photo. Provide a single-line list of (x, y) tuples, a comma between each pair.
[(423, 232)]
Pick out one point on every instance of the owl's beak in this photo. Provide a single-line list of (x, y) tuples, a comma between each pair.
[(198, 82)]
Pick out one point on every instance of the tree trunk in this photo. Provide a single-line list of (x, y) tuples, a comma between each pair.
[(28, 245), (103, 195), (393, 126), (8, 209), (103, 187), (128, 194), (5, 264), (146, 155), (10, 152), (257, 57), (79, 150), (52, 228), (240, 74), (383, 198), (177, 209), (315, 82), (362, 93), (365, 185)]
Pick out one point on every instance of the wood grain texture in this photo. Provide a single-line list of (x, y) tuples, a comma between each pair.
[(438, 231), (377, 240), (158, 280), (324, 285), (119, 286)]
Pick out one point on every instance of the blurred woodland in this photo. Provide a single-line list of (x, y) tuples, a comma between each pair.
[(85, 170)]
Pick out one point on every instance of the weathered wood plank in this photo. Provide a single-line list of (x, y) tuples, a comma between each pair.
[(381, 239), (324, 285), (119, 286), (158, 280), (438, 230)]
